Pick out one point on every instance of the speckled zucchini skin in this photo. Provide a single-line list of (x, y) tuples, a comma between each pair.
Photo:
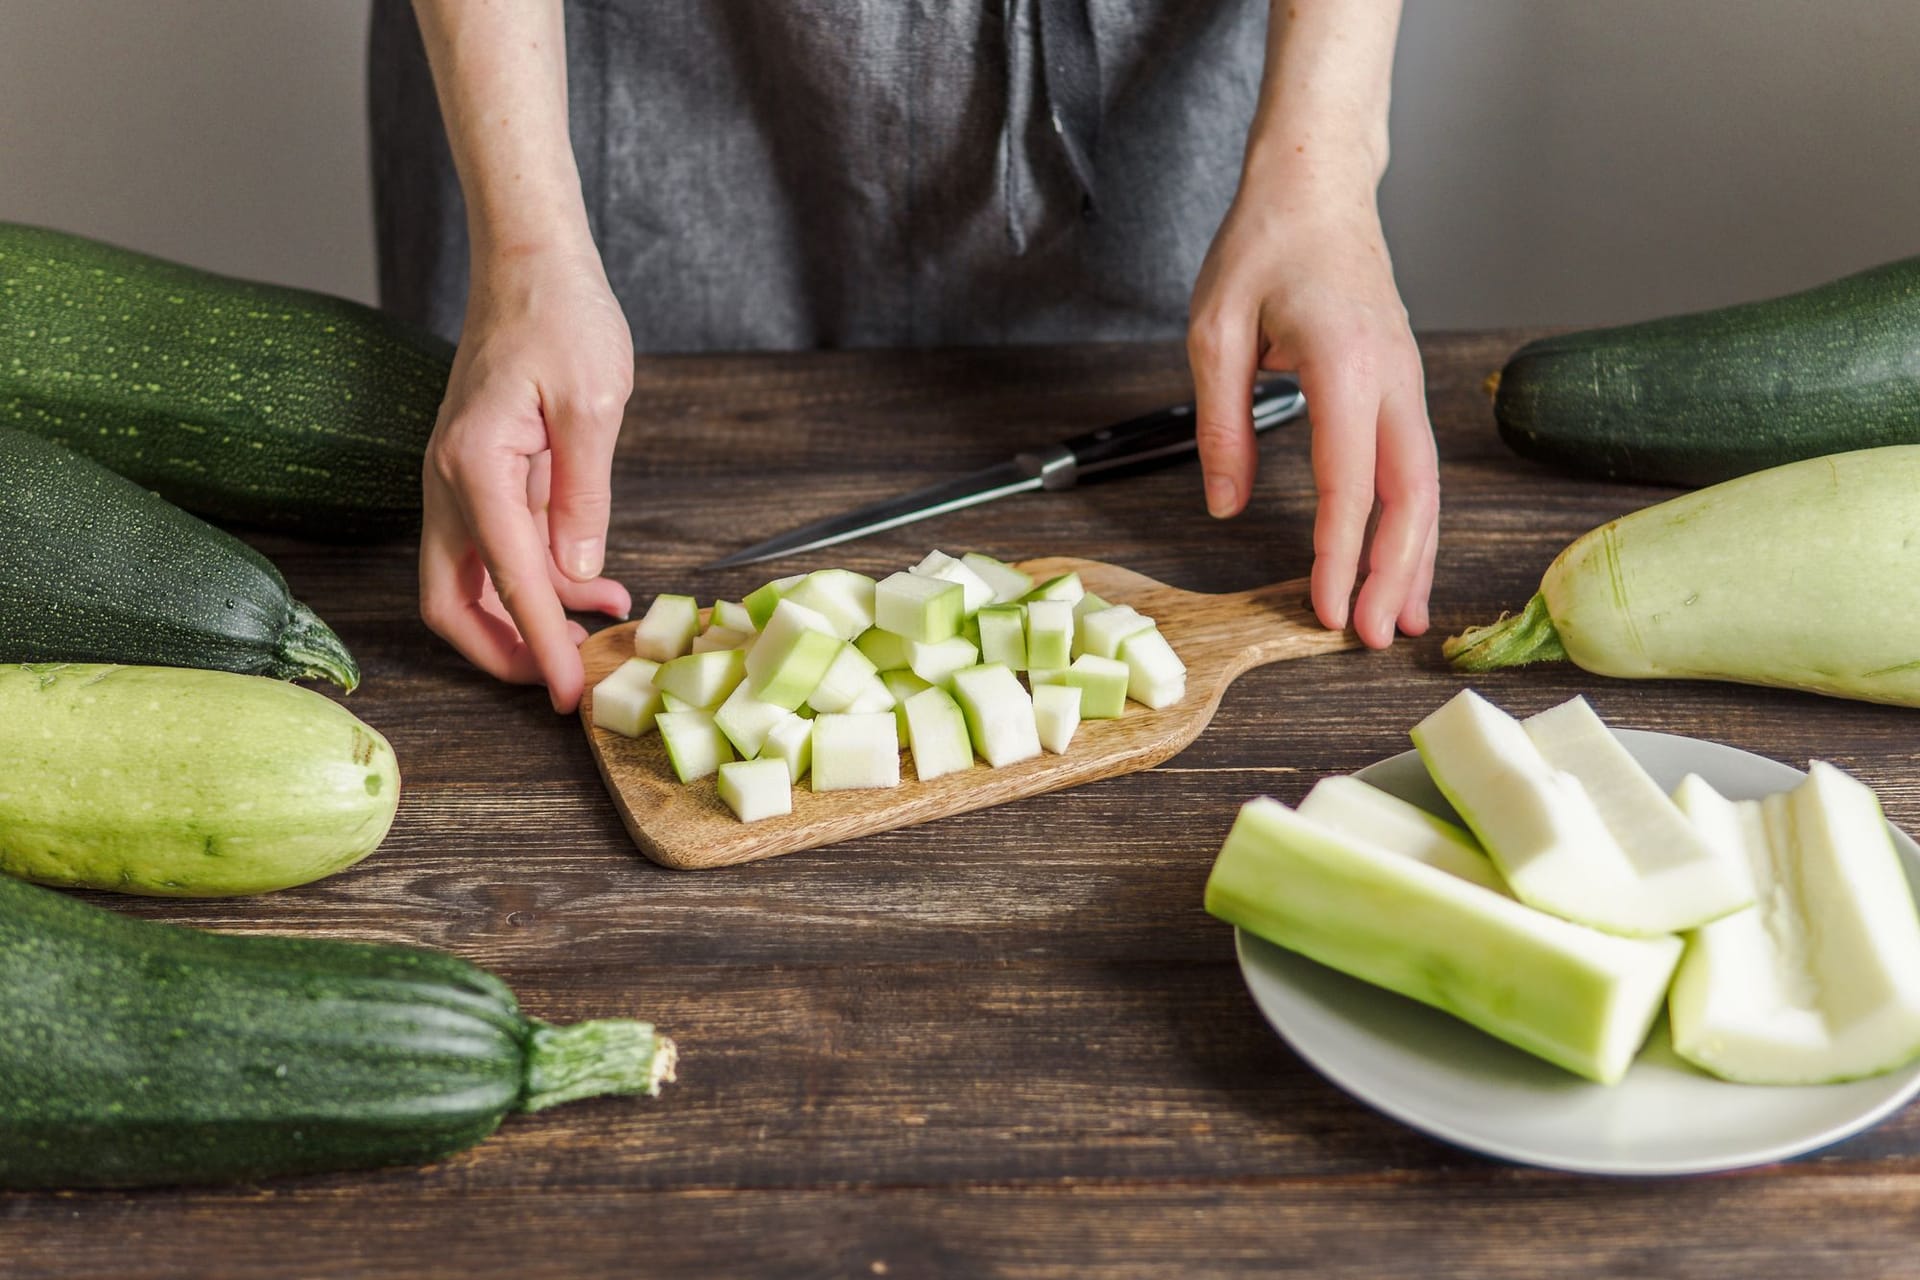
[(177, 782), (139, 1053), (93, 568), (1697, 399), (249, 402)]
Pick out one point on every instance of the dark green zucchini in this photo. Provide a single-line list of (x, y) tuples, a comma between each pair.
[(1697, 399), (93, 568), (140, 1054), (248, 402)]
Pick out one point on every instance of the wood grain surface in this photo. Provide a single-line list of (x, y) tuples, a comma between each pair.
[(1007, 1043), (1218, 635)]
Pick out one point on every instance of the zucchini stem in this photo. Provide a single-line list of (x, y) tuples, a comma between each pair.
[(587, 1059), (310, 651), (1513, 641)]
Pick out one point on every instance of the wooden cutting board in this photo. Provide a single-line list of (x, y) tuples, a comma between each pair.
[(1217, 636)]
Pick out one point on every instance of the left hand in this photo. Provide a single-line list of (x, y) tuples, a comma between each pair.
[(1305, 285)]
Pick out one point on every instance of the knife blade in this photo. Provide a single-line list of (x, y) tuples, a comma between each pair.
[(1155, 439)]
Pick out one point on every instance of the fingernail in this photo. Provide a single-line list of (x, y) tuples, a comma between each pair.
[(1222, 496), (585, 559)]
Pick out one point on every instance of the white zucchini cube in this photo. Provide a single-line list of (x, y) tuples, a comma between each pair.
[(1008, 583), (667, 629), (1103, 686), (734, 616), (714, 639), (746, 720), (936, 663), (670, 703), (873, 696), (902, 685), (922, 609), (855, 751), (695, 745), (999, 714), (1065, 586), (1049, 633), (849, 675), (887, 651), (626, 701), (792, 655), (1155, 675), (761, 602), (937, 734), (1086, 604), (790, 740), (756, 789), (1102, 631), (1056, 715), (1003, 635), (841, 596), (975, 591), (1037, 676), (702, 679)]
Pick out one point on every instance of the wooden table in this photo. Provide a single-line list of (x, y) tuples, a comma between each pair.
[(1007, 1043)]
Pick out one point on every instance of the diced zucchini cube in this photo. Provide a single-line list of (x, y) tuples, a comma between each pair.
[(1008, 583), (888, 651), (761, 601), (694, 743), (841, 596), (1155, 674), (1045, 675), (791, 656), (1103, 686), (1101, 632), (1086, 604), (792, 741), (667, 629), (902, 685), (715, 638), (1056, 714), (873, 696), (1003, 635), (927, 610), (999, 714), (853, 751), (670, 703), (703, 679), (746, 720), (846, 678), (1065, 586), (938, 564), (1049, 633), (734, 616), (756, 789), (937, 734), (627, 701), (935, 663)]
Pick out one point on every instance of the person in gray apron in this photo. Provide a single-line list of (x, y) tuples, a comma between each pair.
[(559, 186)]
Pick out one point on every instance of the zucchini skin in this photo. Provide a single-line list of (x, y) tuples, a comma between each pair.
[(93, 568), (1700, 398), (140, 1053), (269, 406), (177, 782)]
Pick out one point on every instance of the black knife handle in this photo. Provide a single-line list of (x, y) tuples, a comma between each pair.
[(1161, 437)]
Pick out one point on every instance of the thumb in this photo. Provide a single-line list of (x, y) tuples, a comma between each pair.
[(582, 436), (1221, 352)]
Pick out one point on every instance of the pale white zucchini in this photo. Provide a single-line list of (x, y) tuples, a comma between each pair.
[(756, 789), (937, 734), (667, 628), (855, 751), (999, 714)]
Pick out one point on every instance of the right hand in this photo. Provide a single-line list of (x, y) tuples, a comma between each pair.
[(517, 482)]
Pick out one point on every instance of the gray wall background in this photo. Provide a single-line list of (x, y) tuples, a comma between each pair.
[(1554, 163)]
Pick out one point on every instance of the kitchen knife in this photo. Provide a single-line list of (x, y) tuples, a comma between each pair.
[(1156, 439)]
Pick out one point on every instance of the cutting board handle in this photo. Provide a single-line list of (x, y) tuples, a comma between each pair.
[(1246, 629)]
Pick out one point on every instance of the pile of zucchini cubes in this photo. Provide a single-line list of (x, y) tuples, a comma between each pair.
[(829, 675)]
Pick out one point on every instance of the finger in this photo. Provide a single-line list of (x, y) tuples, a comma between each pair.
[(492, 493), (1222, 350), (451, 599), (1343, 407), (582, 430), (1414, 617), (1409, 505), (576, 633), (602, 595)]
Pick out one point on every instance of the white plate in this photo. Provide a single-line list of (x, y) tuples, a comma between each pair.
[(1454, 1081)]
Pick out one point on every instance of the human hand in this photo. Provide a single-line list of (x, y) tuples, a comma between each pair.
[(1303, 283), (517, 482)]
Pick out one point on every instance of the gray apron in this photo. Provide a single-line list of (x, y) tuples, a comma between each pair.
[(780, 174)]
